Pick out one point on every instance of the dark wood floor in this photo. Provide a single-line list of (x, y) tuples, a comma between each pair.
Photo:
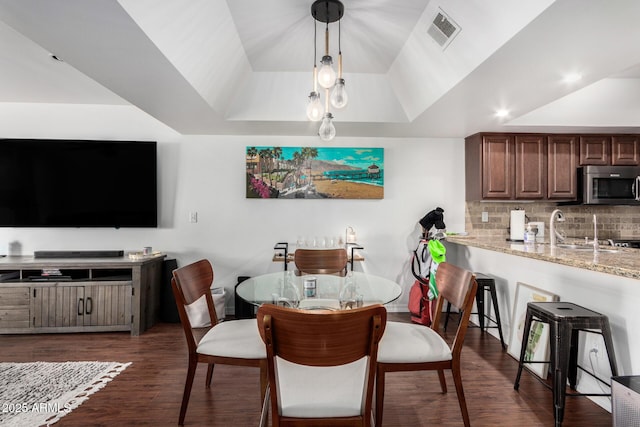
[(150, 390)]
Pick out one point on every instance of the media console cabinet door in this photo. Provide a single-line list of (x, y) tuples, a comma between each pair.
[(81, 304), (107, 305), (57, 306)]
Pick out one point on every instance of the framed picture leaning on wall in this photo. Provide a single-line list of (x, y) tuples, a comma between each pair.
[(538, 343)]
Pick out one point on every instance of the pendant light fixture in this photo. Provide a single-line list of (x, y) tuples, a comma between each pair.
[(339, 96), (314, 107), (326, 11)]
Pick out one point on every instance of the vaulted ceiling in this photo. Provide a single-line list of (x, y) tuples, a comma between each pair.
[(245, 66)]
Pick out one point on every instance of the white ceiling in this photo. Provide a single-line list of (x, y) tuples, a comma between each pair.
[(245, 66)]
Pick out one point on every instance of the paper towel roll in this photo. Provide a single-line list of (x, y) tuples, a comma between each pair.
[(517, 225)]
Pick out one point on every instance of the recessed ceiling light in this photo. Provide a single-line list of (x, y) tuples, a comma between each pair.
[(572, 78), (502, 113)]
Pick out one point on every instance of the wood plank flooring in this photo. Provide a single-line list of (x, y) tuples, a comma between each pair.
[(149, 392)]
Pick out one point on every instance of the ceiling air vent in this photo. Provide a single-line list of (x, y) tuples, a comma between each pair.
[(443, 29)]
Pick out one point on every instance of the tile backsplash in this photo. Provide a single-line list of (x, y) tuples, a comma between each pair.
[(613, 221)]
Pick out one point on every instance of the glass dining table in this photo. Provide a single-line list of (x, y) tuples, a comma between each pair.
[(319, 291)]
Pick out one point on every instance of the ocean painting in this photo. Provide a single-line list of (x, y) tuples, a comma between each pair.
[(315, 173)]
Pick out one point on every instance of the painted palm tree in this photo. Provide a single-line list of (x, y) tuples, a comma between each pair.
[(277, 155), (252, 152), (309, 153), (265, 157), (298, 161)]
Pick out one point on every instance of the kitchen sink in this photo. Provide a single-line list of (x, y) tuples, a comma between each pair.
[(583, 248)]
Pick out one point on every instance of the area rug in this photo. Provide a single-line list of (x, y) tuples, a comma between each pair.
[(40, 393)]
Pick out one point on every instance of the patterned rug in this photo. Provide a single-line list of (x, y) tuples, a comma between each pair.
[(40, 393)]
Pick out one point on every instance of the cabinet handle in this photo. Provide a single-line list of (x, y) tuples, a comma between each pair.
[(80, 306), (89, 305)]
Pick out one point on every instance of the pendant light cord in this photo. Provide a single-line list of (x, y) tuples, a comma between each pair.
[(339, 49), (315, 47)]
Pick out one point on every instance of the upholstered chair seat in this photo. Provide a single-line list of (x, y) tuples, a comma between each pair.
[(412, 343), (236, 338)]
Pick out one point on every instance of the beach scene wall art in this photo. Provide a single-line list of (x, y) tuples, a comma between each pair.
[(314, 173)]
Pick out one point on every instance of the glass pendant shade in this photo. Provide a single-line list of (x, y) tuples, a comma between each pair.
[(339, 97), (315, 110), (327, 130), (326, 75)]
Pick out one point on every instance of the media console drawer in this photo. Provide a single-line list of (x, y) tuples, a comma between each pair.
[(14, 307)]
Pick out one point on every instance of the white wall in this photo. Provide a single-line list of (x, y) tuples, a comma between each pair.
[(205, 174)]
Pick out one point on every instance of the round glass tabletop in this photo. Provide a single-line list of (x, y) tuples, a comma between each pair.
[(330, 292)]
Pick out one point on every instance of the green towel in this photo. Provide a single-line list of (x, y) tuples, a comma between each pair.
[(438, 255)]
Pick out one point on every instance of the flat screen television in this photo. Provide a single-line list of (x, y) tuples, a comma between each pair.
[(74, 183)]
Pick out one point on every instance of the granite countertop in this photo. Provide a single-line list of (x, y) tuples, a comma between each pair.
[(625, 262)]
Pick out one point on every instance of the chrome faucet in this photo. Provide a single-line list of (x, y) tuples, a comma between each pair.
[(596, 245), (554, 236)]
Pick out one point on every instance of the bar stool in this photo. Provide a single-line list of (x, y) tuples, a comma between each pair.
[(485, 283), (565, 321)]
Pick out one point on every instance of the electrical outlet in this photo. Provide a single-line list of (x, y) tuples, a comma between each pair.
[(596, 350), (485, 216), (193, 217)]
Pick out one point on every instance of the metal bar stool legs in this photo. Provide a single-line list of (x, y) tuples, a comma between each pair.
[(485, 283), (565, 321)]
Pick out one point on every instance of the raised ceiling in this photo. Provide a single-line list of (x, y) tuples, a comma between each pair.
[(244, 66)]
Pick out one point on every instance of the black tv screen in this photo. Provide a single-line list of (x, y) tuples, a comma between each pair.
[(72, 183)]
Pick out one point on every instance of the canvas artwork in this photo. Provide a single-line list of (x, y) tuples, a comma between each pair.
[(538, 342), (314, 173)]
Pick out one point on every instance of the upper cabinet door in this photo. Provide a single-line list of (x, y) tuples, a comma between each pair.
[(562, 155), (625, 150), (497, 167), (531, 167), (595, 150)]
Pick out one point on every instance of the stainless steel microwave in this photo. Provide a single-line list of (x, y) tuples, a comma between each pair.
[(610, 185)]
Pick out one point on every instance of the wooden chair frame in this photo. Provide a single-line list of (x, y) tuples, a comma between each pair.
[(457, 286), (321, 261), (321, 338), (190, 283)]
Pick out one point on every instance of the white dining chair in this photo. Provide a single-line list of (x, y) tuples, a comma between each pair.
[(235, 342), (414, 347), (321, 364)]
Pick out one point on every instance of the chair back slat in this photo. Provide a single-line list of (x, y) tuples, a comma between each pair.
[(322, 337), (190, 283), (321, 261), (195, 279)]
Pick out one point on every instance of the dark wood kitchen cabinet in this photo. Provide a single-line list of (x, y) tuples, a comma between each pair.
[(605, 150), (505, 167), (595, 150), (490, 167), (531, 167), (521, 167), (562, 161), (625, 150)]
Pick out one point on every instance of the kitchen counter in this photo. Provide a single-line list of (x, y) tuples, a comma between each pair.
[(625, 262)]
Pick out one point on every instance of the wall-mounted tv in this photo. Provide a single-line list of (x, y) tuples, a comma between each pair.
[(75, 183)]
